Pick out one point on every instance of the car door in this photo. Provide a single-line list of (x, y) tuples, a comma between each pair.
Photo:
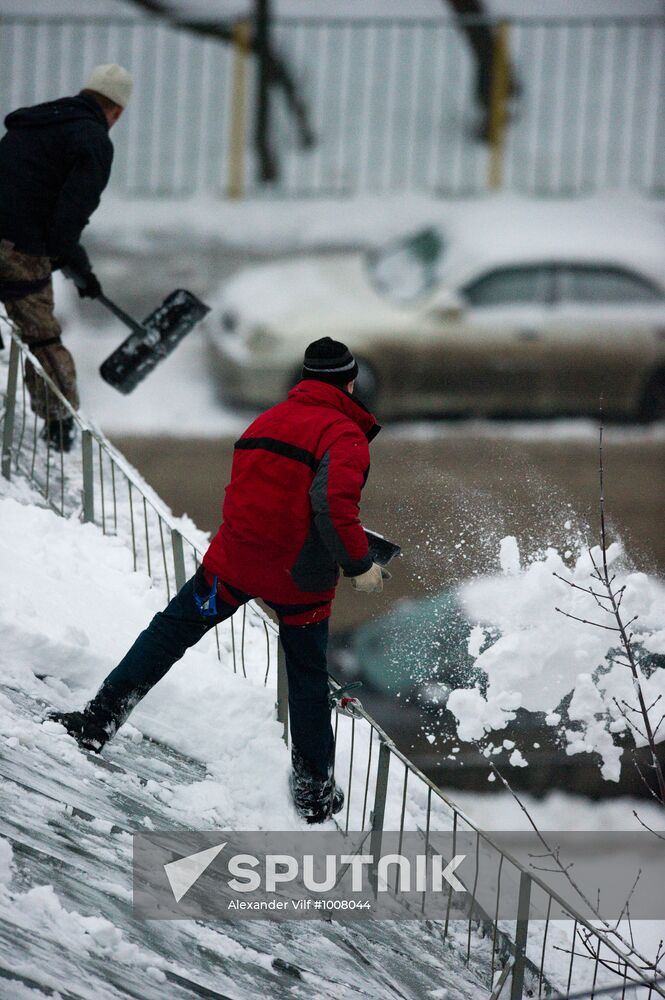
[(601, 338), (486, 355)]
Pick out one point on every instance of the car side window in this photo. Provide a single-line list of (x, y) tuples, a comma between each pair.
[(529, 285), (598, 284)]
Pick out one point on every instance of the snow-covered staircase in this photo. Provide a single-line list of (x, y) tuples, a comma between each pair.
[(66, 923)]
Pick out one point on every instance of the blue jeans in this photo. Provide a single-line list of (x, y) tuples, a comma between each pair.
[(182, 623)]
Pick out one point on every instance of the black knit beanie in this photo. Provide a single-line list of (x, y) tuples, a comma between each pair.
[(329, 361)]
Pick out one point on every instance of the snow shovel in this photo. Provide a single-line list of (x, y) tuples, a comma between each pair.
[(150, 341), (380, 549)]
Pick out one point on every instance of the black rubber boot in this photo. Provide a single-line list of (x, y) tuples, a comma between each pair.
[(316, 799), (60, 433), (338, 800), (89, 731)]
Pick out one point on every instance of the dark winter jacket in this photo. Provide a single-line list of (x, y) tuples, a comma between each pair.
[(290, 516), (55, 161)]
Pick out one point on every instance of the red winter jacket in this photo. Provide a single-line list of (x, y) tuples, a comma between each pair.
[(290, 515)]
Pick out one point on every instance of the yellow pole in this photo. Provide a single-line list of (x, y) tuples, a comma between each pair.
[(241, 39), (498, 110)]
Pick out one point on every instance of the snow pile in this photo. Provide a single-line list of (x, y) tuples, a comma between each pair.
[(275, 226), (540, 655), (504, 225), (39, 910)]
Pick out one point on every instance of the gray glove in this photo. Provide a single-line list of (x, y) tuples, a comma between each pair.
[(371, 581)]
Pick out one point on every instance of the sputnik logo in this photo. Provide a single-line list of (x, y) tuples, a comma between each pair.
[(183, 873)]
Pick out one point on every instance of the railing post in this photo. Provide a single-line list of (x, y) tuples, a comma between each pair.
[(282, 692), (88, 476), (10, 410), (517, 986), (178, 559), (379, 810), (505, 972)]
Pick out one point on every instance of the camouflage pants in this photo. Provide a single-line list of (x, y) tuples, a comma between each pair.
[(40, 331)]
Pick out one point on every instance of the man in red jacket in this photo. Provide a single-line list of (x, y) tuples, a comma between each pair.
[(290, 521)]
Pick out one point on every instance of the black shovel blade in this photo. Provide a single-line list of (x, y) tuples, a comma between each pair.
[(164, 329), (380, 549)]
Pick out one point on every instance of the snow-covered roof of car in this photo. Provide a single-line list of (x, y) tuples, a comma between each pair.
[(505, 229)]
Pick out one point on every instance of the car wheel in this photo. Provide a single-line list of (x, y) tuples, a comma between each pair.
[(367, 384), (652, 406)]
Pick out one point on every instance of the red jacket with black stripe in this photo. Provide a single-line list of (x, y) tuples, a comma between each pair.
[(290, 514)]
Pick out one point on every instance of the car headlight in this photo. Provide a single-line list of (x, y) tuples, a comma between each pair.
[(260, 338)]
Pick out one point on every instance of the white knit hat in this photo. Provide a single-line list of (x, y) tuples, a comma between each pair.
[(112, 81)]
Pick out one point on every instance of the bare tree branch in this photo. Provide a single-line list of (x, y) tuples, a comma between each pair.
[(614, 600), (647, 827), (562, 869), (566, 614)]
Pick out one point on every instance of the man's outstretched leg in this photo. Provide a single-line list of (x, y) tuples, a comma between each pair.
[(315, 794), (184, 621)]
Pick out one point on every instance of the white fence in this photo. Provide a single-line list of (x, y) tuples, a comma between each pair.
[(390, 104)]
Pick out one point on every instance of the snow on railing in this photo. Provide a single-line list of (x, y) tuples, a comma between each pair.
[(384, 790)]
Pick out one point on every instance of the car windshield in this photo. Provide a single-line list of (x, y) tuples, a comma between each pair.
[(404, 270), (418, 642)]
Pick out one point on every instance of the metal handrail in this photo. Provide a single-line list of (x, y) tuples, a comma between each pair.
[(90, 436), (387, 742), (387, 751)]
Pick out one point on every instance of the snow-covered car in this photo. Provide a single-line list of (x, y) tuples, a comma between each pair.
[(499, 306)]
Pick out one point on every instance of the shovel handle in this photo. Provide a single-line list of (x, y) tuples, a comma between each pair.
[(124, 317)]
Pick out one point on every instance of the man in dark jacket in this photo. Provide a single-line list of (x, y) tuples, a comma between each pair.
[(55, 161), (290, 521)]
